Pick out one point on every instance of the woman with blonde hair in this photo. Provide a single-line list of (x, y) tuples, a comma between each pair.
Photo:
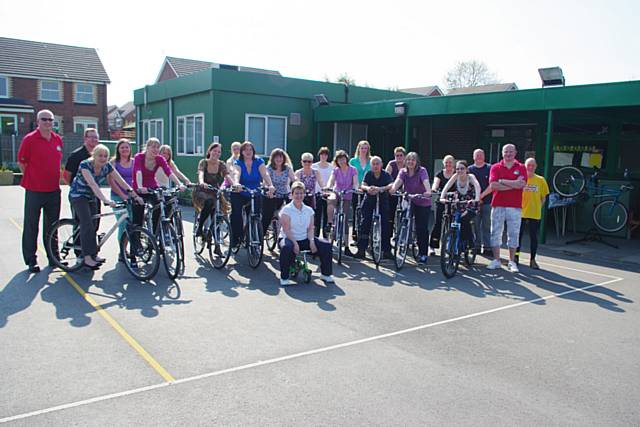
[(85, 188), (161, 177), (235, 155)]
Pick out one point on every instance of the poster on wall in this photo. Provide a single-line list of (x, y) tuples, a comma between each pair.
[(586, 155), (562, 159)]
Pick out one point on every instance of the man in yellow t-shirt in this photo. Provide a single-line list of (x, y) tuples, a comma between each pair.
[(533, 197)]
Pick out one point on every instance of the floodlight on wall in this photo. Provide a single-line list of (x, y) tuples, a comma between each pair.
[(400, 108), (551, 76), (321, 99)]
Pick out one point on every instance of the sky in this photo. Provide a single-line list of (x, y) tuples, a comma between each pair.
[(381, 44)]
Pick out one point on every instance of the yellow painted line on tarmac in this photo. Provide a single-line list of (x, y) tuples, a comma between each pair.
[(111, 321)]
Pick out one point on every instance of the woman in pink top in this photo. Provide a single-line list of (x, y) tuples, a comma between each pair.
[(344, 177), (145, 165)]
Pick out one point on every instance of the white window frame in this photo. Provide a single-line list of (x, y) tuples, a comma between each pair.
[(266, 118), (181, 140), (6, 87), (77, 100), (146, 125), (86, 122), (42, 90)]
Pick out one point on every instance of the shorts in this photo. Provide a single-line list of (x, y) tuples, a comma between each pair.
[(513, 217)]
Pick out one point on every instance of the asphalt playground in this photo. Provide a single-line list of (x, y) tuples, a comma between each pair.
[(558, 346)]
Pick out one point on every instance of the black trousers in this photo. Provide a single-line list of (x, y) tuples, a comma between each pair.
[(364, 230), (534, 227), (138, 211), (320, 216), (208, 209), (287, 257), (421, 215), (84, 210), (269, 206), (34, 203), (238, 201)]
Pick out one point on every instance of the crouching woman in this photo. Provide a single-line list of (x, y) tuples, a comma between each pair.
[(297, 234)]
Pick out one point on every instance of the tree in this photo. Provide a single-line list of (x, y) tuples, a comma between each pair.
[(342, 78), (470, 73)]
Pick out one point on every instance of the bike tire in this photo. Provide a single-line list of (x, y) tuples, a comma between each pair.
[(68, 257), (568, 181), (340, 236), (376, 240), (147, 252), (400, 251), (610, 216), (219, 237), (449, 257), (255, 245), (306, 276), (272, 234), (170, 252), (199, 242), (177, 221), (470, 255)]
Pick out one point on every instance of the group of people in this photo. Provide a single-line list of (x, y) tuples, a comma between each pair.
[(507, 192)]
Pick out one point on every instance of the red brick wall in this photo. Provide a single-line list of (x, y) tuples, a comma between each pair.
[(27, 89), (167, 73)]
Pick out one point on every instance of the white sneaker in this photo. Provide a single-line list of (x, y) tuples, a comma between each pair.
[(513, 267), (287, 282), (494, 264), (328, 279)]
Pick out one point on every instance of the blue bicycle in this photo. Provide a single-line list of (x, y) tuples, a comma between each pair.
[(609, 214), (452, 246)]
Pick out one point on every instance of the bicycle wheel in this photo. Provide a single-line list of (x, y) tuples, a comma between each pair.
[(415, 250), (400, 251), (63, 245), (376, 239), (339, 237), (219, 242), (177, 223), (171, 250), (449, 258), (199, 242), (470, 255), (568, 181), (272, 234), (255, 243), (140, 252), (610, 216)]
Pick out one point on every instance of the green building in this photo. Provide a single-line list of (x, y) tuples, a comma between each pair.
[(585, 125)]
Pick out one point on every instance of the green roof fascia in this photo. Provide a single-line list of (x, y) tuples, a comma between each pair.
[(187, 85), (601, 95)]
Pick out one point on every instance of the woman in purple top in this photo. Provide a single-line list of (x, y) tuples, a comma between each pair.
[(123, 163), (415, 180), (145, 165), (343, 177)]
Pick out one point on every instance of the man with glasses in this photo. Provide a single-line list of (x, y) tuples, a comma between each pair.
[(39, 158), (393, 169), (91, 139), (482, 222)]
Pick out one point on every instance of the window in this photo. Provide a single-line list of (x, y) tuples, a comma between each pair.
[(82, 123), (8, 124), (85, 93), (50, 91), (4, 87), (347, 135), (266, 132), (152, 129), (191, 135), (57, 124)]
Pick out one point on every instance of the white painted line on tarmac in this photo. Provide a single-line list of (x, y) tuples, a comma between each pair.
[(299, 355)]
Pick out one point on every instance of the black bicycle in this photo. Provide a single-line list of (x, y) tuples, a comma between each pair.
[(338, 232), (252, 238), (405, 235), (375, 236), (216, 233)]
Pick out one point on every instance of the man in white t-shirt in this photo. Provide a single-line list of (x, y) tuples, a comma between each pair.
[(297, 234)]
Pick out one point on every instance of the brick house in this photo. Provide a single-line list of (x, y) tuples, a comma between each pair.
[(68, 80), (122, 121)]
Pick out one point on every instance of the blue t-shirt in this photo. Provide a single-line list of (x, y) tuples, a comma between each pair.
[(79, 186), (250, 179)]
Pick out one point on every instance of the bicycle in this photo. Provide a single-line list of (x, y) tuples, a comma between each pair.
[(405, 236), (357, 217), (273, 231), (165, 232), (375, 240), (609, 214), (138, 248), (176, 219), (452, 245), (217, 235), (252, 237), (337, 234)]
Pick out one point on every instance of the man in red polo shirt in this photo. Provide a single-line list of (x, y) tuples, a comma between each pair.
[(507, 179), (39, 159)]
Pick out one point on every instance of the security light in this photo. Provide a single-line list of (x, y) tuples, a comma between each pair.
[(551, 76), (321, 99), (400, 108)]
